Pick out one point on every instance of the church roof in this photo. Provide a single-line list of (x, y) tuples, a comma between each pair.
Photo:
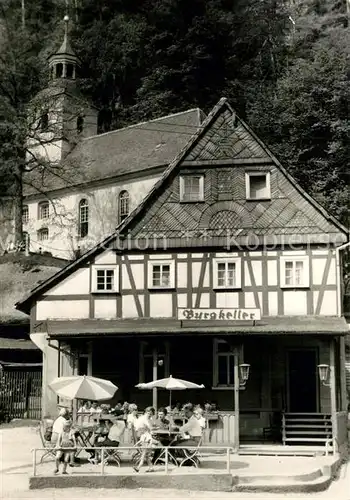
[(130, 150)]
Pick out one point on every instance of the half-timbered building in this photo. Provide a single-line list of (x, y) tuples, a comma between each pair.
[(227, 274)]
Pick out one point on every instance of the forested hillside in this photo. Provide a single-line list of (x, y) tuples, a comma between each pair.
[(284, 66)]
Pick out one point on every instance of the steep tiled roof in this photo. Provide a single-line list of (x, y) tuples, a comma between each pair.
[(128, 150)]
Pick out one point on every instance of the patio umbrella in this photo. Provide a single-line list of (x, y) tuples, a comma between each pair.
[(83, 387), (171, 384)]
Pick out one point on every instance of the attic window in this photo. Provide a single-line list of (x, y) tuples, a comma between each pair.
[(191, 188), (258, 186)]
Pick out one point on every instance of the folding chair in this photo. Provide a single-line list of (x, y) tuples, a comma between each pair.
[(171, 455), (111, 454), (49, 447), (191, 456)]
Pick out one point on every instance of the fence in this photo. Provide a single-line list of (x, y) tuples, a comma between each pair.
[(20, 394), (167, 454)]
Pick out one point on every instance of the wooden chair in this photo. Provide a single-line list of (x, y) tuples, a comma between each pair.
[(50, 449)]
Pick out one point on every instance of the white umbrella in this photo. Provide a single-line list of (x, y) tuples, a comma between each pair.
[(83, 387), (170, 383)]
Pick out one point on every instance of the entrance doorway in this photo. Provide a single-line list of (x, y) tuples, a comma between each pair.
[(302, 381)]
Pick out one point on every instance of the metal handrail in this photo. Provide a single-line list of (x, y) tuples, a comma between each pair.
[(102, 449)]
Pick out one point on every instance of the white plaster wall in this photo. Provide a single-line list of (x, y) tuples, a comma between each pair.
[(108, 257), (272, 272), (76, 284), (63, 220), (294, 302), (329, 303), (129, 306), (62, 309), (161, 305), (226, 299), (106, 308), (273, 303), (182, 274)]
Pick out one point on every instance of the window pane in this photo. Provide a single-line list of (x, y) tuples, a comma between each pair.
[(299, 272), (223, 347), (221, 272), (231, 274), (258, 186), (148, 368), (192, 187), (166, 275), (231, 369), (289, 273), (222, 370)]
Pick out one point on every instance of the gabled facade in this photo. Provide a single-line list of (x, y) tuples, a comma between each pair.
[(226, 263)]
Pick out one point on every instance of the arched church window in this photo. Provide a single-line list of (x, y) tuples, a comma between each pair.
[(59, 70), (83, 218), (123, 205), (80, 124)]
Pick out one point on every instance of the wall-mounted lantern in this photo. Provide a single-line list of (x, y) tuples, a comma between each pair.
[(244, 369), (323, 373)]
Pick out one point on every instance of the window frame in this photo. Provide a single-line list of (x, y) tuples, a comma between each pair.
[(238, 269), (80, 223), (161, 262), (41, 205), (163, 354), (216, 355), (182, 188), (25, 214), (103, 267), (123, 199), (306, 271), (248, 175), (42, 231)]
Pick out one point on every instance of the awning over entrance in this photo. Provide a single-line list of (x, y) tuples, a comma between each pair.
[(278, 325)]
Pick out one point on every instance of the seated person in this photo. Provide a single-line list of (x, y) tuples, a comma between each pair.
[(95, 409), (198, 412), (85, 407), (191, 432), (162, 422), (115, 430)]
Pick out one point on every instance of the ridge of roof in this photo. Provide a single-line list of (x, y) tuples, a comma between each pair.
[(147, 122), (23, 304)]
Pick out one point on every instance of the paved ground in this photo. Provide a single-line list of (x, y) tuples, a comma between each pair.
[(16, 464)]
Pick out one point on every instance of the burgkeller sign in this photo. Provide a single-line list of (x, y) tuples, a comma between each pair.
[(223, 314)]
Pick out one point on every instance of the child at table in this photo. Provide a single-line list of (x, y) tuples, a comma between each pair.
[(66, 447), (148, 443)]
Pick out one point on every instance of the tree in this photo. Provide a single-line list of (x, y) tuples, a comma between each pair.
[(305, 117)]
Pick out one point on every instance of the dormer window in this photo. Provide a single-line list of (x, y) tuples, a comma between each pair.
[(258, 186), (192, 188)]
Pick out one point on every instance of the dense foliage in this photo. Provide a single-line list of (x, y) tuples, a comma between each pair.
[(285, 69)]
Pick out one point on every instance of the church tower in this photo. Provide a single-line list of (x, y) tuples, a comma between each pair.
[(61, 115)]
